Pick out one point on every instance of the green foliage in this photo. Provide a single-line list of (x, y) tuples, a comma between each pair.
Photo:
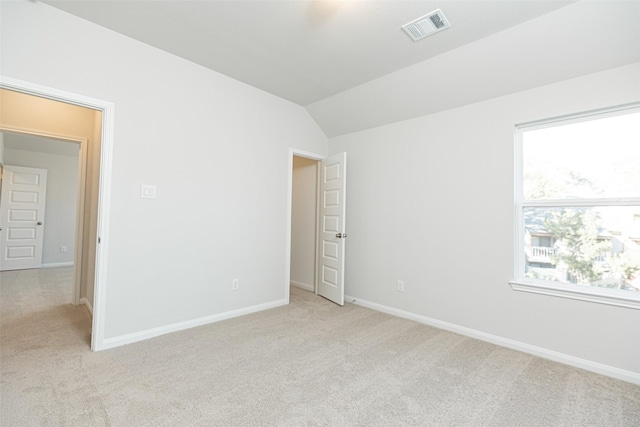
[(555, 183), (625, 264), (576, 234), (580, 249), (537, 186)]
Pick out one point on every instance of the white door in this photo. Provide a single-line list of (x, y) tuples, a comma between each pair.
[(332, 232), (22, 201)]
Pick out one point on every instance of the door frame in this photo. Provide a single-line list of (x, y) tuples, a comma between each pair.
[(313, 156), (82, 171), (104, 187)]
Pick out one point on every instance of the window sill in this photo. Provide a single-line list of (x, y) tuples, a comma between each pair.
[(597, 295)]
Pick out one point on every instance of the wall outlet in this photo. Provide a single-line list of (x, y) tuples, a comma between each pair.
[(63, 249), (148, 191), (400, 286), (235, 284)]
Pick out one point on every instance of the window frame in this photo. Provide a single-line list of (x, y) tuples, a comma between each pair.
[(520, 283)]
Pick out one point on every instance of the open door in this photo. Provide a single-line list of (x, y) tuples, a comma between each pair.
[(22, 217), (331, 242)]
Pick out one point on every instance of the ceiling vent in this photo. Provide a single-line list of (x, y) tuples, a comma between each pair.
[(426, 25)]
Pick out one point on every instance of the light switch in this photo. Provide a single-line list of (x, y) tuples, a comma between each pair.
[(147, 191)]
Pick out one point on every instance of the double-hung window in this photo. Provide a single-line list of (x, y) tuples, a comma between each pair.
[(577, 206)]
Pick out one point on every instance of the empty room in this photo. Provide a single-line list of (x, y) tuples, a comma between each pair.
[(319, 212)]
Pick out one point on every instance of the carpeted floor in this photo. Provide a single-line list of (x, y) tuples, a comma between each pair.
[(310, 363)]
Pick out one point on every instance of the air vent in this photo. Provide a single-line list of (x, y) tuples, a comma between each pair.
[(426, 25)]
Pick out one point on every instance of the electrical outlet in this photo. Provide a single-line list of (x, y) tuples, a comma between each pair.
[(400, 286), (63, 249), (148, 191), (235, 284)]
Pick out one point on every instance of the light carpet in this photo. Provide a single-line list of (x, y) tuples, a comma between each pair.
[(310, 363)]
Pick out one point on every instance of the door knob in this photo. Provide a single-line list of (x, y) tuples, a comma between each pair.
[(339, 235), (39, 223)]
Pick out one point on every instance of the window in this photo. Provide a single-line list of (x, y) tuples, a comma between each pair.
[(577, 206)]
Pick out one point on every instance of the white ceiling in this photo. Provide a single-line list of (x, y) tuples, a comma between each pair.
[(339, 57)]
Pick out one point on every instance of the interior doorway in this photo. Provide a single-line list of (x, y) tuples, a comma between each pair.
[(62, 223), (304, 208), (47, 117), (316, 224)]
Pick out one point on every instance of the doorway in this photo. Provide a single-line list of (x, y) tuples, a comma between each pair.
[(316, 224), (58, 233), (304, 197), (46, 120)]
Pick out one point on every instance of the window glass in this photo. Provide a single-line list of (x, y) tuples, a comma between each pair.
[(578, 203), (591, 246), (593, 159)]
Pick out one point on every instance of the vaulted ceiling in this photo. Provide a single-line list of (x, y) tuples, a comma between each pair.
[(350, 64)]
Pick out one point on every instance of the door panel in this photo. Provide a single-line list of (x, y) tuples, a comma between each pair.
[(332, 234), (22, 203)]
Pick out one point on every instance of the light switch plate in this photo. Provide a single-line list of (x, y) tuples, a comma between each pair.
[(147, 191)]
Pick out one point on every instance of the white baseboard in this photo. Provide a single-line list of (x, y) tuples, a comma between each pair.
[(87, 304), (151, 333), (57, 264), (588, 365), (305, 286)]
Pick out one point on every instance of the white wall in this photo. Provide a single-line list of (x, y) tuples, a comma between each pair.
[(303, 222), (216, 149), (60, 208), (431, 203)]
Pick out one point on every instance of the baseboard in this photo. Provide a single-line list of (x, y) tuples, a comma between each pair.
[(57, 264), (151, 333), (588, 365), (305, 286), (87, 304)]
